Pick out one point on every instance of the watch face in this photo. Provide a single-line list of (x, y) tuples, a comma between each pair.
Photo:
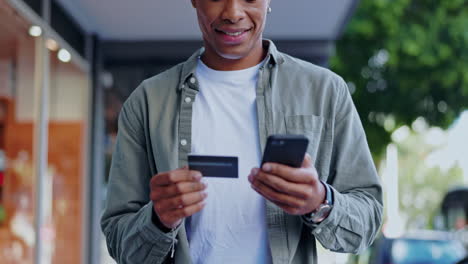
[(321, 213)]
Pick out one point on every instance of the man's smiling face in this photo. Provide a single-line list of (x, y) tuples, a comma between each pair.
[(232, 28)]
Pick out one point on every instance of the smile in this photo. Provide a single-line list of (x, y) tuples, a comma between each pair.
[(233, 34)]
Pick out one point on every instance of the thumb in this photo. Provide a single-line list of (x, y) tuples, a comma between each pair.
[(308, 161)]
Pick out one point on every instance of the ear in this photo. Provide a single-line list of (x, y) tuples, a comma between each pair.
[(194, 3)]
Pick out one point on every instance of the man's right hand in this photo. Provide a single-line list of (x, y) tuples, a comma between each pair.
[(177, 194)]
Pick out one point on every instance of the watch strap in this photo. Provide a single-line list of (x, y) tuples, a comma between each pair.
[(329, 193), (328, 201)]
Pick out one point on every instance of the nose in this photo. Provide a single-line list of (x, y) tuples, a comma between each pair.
[(233, 11)]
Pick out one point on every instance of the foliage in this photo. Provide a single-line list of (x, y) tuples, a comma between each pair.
[(404, 59), (422, 186)]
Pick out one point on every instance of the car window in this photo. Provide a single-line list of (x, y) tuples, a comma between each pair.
[(412, 251)]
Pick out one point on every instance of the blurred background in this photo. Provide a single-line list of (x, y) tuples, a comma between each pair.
[(67, 66)]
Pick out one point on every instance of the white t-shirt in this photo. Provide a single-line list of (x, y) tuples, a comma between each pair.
[(232, 227)]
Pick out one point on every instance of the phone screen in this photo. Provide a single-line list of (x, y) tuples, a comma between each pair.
[(286, 149)]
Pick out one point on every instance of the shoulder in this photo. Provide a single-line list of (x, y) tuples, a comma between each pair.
[(164, 79), (307, 71), (312, 81), (152, 94), (156, 87)]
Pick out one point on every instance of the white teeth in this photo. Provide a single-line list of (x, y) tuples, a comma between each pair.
[(234, 34)]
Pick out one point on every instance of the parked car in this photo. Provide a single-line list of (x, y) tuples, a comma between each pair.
[(420, 247), (454, 209)]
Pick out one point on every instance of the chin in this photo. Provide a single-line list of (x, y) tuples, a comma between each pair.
[(231, 56), (232, 53)]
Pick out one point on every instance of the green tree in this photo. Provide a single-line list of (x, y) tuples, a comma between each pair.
[(405, 59), (422, 186)]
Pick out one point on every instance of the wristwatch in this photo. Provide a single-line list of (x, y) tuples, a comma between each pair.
[(319, 214)]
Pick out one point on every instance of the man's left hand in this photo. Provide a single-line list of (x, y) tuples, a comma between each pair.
[(297, 191)]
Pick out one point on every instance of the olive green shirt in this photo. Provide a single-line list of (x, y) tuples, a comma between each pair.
[(293, 97)]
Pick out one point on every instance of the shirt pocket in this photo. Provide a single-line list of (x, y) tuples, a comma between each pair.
[(317, 130)]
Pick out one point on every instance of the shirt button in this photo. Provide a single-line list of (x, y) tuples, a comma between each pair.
[(182, 86), (188, 100), (183, 142), (192, 80), (168, 240), (319, 230)]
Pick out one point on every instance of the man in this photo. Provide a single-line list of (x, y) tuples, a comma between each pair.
[(225, 100)]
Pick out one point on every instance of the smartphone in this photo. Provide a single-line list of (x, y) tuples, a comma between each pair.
[(285, 149)]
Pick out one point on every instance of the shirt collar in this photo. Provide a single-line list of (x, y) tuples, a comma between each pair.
[(190, 66)]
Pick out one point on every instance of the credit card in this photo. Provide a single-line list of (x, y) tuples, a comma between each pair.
[(214, 166)]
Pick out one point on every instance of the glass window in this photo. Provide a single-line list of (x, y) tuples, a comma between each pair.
[(63, 197), (68, 124), (17, 124)]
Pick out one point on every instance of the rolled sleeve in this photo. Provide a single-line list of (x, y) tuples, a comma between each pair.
[(153, 234), (345, 229), (324, 231)]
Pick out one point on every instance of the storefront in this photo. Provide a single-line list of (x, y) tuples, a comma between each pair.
[(61, 90), (45, 105)]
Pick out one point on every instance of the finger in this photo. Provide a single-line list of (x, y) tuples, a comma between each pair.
[(308, 162), (175, 176), (291, 174), (187, 211), (275, 197), (283, 186), (181, 201), (253, 174), (168, 191)]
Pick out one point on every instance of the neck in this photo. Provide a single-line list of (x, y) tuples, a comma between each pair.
[(217, 62)]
